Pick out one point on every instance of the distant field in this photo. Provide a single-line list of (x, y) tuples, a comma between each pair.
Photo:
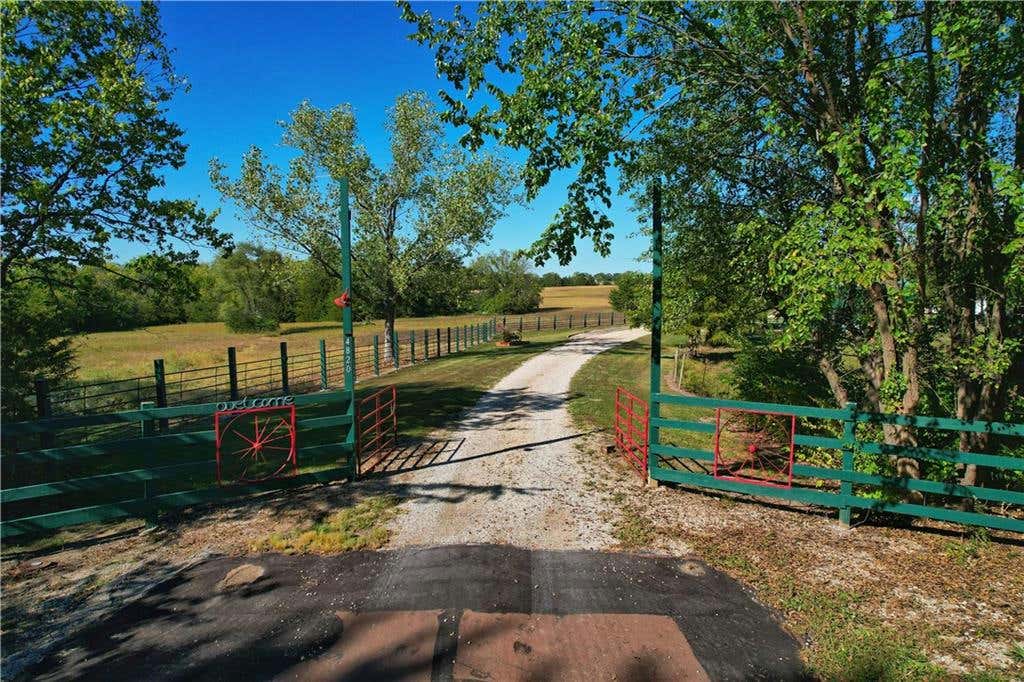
[(555, 299), (116, 355)]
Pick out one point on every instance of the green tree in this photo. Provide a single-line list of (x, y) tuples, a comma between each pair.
[(85, 141), (505, 283), (551, 279), (431, 203), (853, 172), (256, 289)]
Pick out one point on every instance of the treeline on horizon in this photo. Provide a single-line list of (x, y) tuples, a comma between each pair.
[(254, 288)]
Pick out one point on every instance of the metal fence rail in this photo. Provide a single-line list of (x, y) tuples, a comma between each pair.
[(851, 488), (291, 372)]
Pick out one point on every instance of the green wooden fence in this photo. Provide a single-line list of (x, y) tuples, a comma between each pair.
[(688, 465), (138, 477)]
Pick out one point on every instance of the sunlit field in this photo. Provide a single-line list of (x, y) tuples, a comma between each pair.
[(115, 355), (557, 299)]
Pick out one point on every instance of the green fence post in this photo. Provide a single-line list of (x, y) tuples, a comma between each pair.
[(520, 324), (232, 373), (554, 322), (412, 348), (395, 350), (849, 443), (458, 340), (538, 323), (160, 381), (44, 409), (376, 355), (570, 320), (656, 238), (599, 319), (284, 368), (426, 344), (348, 347), (323, 365), (148, 431), (438, 340), (585, 320), (448, 335)]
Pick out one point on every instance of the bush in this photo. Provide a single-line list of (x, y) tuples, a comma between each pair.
[(511, 336), (239, 318)]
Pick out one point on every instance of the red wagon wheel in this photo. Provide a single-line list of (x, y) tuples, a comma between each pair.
[(255, 445)]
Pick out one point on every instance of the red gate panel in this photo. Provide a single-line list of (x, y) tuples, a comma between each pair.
[(255, 444), (377, 423), (752, 446), (631, 419)]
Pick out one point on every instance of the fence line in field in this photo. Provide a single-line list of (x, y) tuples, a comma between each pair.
[(290, 372)]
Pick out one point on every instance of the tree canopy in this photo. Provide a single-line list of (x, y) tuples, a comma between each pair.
[(432, 203), (86, 139), (852, 173)]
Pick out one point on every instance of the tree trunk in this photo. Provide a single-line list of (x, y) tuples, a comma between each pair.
[(389, 333)]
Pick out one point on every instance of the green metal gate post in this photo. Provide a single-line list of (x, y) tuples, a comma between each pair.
[(656, 239), (849, 442), (148, 430), (412, 348), (448, 337), (349, 347), (160, 380), (395, 350), (584, 320), (570, 320), (44, 409), (438, 339), (323, 365), (284, 368), (232, 373), (538, 323), (458, 340)]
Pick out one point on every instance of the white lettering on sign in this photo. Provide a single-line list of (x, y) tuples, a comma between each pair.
[(247, 403)]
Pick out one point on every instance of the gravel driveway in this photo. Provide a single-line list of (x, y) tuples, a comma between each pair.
[(514, 476)]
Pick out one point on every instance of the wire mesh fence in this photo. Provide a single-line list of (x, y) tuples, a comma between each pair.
[(287, 373)]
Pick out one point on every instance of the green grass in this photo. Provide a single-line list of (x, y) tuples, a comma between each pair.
[(592, 390), (363, 526)]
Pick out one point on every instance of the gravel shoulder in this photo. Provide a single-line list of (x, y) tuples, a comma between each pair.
[(513, 466)]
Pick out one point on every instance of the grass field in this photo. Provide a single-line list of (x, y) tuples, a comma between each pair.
[(557, 299), (116, 355)]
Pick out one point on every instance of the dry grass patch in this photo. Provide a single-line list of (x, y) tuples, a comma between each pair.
[(557, 299), (363, 526)]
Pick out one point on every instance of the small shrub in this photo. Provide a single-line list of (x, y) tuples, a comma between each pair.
[(363, 526), (511, 336)]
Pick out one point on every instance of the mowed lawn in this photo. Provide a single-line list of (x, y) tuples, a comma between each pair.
[(117, 355)]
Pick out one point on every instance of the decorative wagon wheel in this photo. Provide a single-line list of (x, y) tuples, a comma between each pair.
[(754, 446), (255, 445)]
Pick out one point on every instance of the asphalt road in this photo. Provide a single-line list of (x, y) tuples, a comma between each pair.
[(459, 612)]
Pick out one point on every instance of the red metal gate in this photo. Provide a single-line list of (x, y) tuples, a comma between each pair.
[(631, 415), (377, 424)]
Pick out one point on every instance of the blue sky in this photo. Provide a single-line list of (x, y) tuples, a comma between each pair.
[(250, 64)]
